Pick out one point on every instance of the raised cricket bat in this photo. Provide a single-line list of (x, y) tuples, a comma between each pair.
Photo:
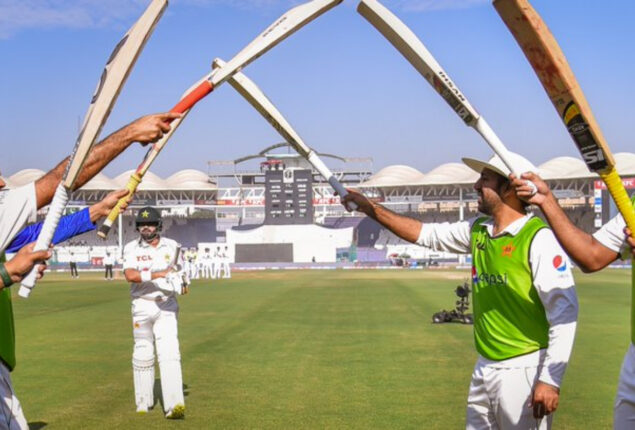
[(282, 28), (411, 47), (557, 78), (250, 91), (115, 73)]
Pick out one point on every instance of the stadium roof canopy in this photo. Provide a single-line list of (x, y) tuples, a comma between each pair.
[(188, 179), (391, 176), (457, 173)]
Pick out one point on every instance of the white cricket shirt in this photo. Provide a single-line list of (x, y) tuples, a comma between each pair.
[(139, 255), (18, 207), (552, 277)]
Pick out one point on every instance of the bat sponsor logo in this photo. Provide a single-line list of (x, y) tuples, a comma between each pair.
[(274, 26), (579, 130), (446, 88)]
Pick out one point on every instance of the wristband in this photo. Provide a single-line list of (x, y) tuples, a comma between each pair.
[(6, 278), (146, 276)]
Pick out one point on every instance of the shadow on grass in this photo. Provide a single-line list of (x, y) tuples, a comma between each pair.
[(158, 394), (37, 425)]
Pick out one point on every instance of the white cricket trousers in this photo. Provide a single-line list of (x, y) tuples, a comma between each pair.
[(500, 393), (624, 411), (155, 323), (12, 416)]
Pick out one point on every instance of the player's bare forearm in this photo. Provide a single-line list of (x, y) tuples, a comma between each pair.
[(145, 130), (582, 247), (405, 227), (102, 209), (587, 252)]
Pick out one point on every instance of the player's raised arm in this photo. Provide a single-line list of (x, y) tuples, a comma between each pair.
[(144, 130), (583, 248), (405, 227)]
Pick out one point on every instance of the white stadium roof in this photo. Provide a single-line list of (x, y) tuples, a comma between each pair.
[(183, 180), (457, 173), (391, 176)]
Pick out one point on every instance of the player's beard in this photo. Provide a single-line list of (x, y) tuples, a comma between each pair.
[(148, 236)]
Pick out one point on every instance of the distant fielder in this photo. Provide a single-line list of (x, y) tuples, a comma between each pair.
[(149, 265)]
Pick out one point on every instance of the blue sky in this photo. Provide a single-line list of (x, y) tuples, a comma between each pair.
[(343, 87)]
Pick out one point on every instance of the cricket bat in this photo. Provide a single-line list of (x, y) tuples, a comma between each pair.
[(250, 91), (411, 47), (115, 73), (557, 78), (283, 27)]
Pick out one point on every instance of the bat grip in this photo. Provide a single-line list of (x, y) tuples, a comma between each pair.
[(132, 185), (46, 235), (332, 180), (614, 184), (186, 103)]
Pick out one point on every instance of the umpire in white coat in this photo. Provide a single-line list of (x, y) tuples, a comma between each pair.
[(149, 265)]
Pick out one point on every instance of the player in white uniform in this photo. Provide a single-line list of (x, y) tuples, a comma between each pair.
[(592, 253), (206, 264), (525, 306), (194, 274), (227, 272), (217, 263), (148, 265)]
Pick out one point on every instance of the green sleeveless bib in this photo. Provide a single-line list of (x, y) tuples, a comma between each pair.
[(509, 319)]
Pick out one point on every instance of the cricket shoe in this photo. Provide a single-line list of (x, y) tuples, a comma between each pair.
[(176, 413)]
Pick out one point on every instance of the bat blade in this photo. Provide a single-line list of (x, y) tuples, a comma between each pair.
[(411, 47), (250, 92), (113, 77), (283, 27), (550, 64), (557, 78)]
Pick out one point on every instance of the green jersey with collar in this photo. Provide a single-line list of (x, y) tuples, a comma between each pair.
[(509, 318)]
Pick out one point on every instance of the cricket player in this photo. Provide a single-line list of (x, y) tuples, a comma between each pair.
[(18, 207), (207, 264), (227, 273), (217, 263), (525, 305), (193, 263), (149, 267), (591, 253)]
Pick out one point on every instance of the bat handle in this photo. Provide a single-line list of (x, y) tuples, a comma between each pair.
[(492, 139), (319, 165), (46, 235), (337, 186), (132, 185)]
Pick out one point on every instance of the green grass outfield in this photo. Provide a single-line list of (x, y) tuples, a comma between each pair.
[(295, 349)]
